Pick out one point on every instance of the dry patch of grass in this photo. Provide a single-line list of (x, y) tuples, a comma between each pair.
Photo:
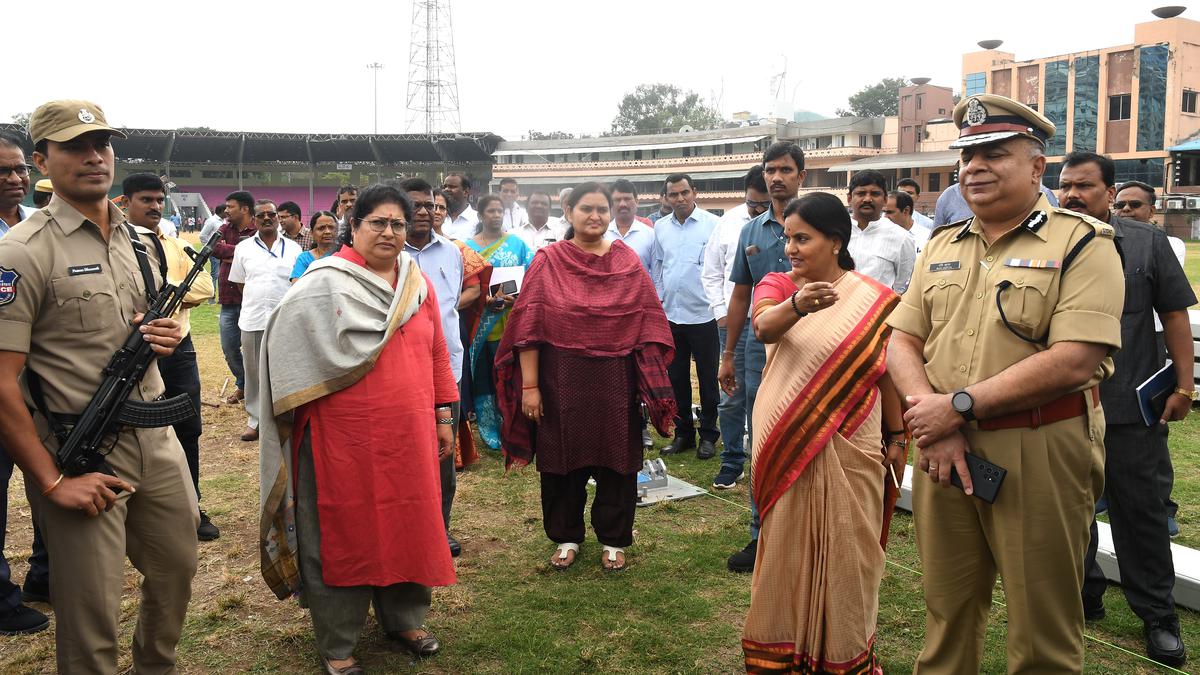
[(674, 610)]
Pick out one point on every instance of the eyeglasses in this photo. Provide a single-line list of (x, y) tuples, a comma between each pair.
[(440, 208), (751, 204), (380, 224), (22, 171), (1134, 204), (428, 207), (266, 215)]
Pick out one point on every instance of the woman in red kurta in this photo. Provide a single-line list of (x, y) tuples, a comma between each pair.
[(366, 448)]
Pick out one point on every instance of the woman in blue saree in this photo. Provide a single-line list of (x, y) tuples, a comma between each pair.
[(499, 249)]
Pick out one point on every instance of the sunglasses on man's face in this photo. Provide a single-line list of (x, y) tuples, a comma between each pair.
[(266, 215), (1133, 204)]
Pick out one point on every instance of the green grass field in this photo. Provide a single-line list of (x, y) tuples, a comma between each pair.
[(674, 610)]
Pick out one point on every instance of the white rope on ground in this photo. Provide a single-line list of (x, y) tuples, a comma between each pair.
[(918, 573)]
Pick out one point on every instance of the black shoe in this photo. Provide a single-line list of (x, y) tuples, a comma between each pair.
[(727, 478), (23, 620), (1093, 609), (207, 531), (455, 547), (35, 590), (678, 445), (707, 450), (743, 560), (1163, 643)]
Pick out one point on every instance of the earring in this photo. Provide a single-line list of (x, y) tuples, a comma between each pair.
[(837, 251)]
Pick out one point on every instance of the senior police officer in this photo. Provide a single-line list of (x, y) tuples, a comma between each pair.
[(1009, 324), (71, 288)]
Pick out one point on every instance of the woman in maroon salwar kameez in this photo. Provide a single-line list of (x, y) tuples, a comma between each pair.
[(586, 344), (367, 433)]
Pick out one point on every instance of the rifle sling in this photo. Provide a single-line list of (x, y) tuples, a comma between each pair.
[(140, 252)]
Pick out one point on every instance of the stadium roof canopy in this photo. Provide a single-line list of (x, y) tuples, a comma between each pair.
[(244, 147)]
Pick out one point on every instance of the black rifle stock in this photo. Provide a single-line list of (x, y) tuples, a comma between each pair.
[(81, 452)]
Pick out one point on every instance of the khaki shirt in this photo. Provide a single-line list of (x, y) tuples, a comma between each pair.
[(71, 300), (178, 264), (951, 302)]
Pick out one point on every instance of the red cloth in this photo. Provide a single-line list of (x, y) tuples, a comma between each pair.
[(589, 305), (374, 444)]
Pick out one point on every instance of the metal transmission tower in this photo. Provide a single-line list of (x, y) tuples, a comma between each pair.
[(432, 80)]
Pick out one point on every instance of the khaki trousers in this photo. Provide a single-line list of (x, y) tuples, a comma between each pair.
[(156, 528), (1034, 536)]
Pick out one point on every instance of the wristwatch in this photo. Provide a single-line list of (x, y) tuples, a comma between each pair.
[(1191, 394), (964, 404)]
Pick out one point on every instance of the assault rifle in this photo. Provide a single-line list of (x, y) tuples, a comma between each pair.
[(80, 451)]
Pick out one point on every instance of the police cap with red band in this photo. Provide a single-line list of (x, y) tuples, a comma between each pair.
[(988, 118)]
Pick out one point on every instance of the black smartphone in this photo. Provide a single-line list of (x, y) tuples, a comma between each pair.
[(985, 477), (507, 287)]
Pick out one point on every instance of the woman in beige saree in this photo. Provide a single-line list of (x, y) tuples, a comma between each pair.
[(818, 465)]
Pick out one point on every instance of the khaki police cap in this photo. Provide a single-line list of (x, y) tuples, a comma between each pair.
[(60, 121), (988, 118), (44, 185)]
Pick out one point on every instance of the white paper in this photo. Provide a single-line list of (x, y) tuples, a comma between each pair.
[(502, 274)]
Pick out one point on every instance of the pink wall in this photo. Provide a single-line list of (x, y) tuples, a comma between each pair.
[(215, 195)]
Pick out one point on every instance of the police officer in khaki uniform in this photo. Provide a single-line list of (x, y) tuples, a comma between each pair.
[(70, 290), (1009, 324)]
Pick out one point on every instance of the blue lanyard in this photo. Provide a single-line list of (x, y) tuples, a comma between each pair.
[(260, 245)]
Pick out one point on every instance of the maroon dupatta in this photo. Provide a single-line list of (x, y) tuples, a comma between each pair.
[(600, 306)]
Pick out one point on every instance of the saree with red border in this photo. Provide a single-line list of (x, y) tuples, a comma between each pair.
[(819, 481), (476, 272)]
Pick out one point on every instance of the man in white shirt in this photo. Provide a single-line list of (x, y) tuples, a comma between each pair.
[(719, 255), (462, 220), (211, 226), (539, 229), (510, 197), (262, 267), (625, 225), (913, 189), (899, 210), (562, 201), (881, 249)]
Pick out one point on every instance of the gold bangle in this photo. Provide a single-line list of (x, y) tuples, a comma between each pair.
[(53, 485), (898, 444)]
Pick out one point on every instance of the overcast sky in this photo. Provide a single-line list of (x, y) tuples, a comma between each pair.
[(522, 64)]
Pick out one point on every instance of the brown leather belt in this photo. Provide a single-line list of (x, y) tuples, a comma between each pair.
[(1062, 408)]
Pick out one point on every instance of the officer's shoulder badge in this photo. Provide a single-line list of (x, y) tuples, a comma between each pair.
[(960, 228), (8, 285), (1102, 228)]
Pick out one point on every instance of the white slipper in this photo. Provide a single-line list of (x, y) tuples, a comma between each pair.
[(563, 550), (611, 552)]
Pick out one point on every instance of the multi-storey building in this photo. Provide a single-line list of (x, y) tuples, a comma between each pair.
[(716, 160), (1136, 102)]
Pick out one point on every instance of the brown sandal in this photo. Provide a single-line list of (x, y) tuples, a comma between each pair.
[(236, 397)]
